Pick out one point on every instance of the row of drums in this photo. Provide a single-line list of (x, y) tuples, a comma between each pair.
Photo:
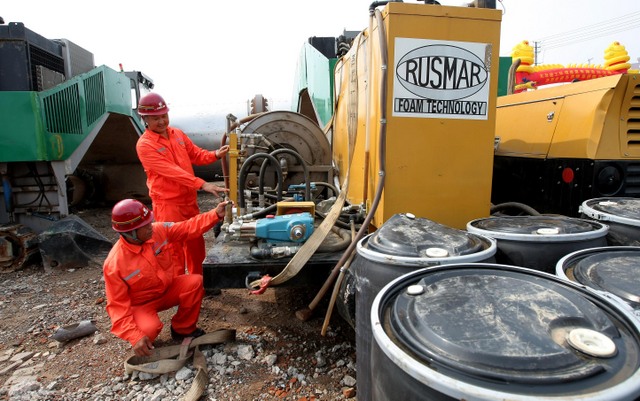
[(513, 307)]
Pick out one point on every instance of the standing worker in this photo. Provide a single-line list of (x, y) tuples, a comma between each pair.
[(141, 279), (168, 156)]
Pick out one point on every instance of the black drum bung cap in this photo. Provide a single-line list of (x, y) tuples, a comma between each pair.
[(410, 236), (503, 324)]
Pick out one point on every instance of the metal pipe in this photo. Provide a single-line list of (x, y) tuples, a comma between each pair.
[(223, 163), (230, 127)]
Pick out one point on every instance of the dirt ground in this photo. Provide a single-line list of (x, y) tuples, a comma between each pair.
[(34, 303)]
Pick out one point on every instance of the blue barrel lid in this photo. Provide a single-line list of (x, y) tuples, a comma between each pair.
[(618, 210), (507, 329), (613, 269), (404, 235), (538, 228)]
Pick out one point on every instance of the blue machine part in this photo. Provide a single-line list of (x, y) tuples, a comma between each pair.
[(300, 187), (295, 227), (297, 196)]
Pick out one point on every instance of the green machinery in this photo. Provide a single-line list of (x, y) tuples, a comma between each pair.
[(67, 137), (68, 133)]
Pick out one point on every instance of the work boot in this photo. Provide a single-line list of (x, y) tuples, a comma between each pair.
[(179, 337)]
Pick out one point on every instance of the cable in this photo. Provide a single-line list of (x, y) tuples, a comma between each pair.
[(595, 35), (583, 34), (578, 31)]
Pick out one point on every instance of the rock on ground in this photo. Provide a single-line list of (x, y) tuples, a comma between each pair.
[(275, 356)]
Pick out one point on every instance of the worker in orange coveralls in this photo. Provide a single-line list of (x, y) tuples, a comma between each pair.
[(141, 280), (168, 156)]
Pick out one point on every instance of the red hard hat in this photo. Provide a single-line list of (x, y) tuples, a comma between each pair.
[(152, 104), (130, 214)]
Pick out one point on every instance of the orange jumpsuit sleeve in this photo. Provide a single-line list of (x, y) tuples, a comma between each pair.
[(161, 163), (191, 228), (119, 301)]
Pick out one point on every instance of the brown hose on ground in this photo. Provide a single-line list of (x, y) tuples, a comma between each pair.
[(336, 287)]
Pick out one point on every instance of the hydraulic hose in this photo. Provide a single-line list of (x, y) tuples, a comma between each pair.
[(336, 287), (307, 184), (244, 170), (369, 105), (243, 120), (263, 212), (345, 240), (338, 223), (376, 4), (514, 205), (332, 187)]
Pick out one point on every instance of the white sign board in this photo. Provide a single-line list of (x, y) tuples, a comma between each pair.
[(441, 79)]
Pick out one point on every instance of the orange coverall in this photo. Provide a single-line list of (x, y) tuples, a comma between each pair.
[(141, 280), (173, 186)]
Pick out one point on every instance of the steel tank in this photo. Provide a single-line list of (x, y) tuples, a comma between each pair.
[(497, 332), (206, 130), (612, 270), (538, 242), (622, 215), (402, 244)]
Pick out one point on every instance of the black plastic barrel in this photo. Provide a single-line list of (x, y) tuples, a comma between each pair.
[(622, 215), (498, 332), (613, 270), (402, 244), (538, 242)]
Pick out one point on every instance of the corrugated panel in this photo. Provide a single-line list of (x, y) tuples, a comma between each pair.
[(94, 96), (62, 111)]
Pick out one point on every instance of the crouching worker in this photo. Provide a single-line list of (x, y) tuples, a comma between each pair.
[(140, 279)]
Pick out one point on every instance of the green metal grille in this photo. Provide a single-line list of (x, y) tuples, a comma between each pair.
[(62, 111), (51, 124), (94, 97)]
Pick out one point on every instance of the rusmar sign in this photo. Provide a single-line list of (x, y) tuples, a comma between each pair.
[(441, 79)]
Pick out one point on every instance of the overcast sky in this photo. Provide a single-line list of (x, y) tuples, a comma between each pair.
[(215, 55)]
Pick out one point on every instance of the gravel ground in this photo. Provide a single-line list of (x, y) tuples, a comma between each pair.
[(275, 356)]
